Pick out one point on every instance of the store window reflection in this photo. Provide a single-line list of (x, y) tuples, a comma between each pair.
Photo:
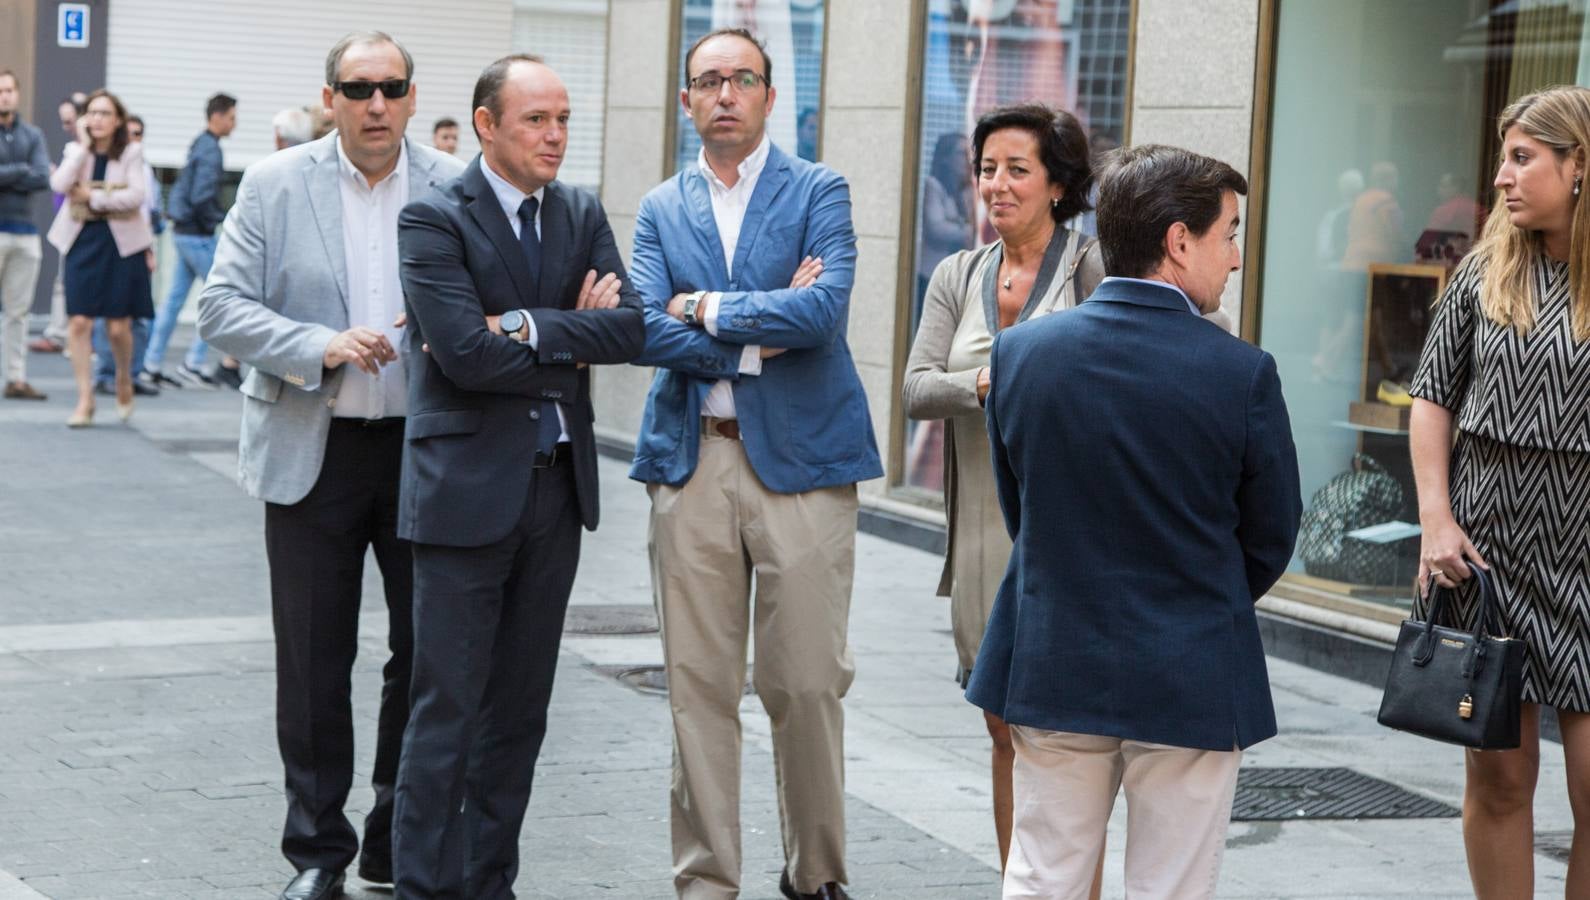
[(1382, 151), (979, 54), (792, 30)]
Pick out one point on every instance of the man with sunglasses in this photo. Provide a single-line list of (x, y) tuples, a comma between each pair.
[(305, 291), (755, 434)]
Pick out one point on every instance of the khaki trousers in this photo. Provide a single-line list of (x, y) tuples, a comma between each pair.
[(20, 255), (1178, 804), (707, 539)]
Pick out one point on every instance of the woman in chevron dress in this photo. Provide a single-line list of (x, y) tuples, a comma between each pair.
[(1507, 364)]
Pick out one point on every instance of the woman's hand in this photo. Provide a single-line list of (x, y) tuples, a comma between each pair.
[(79, 193), (1444, 552), (983, 385), (83, 136)]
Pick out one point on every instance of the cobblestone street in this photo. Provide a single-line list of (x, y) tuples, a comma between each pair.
[(137, 749)]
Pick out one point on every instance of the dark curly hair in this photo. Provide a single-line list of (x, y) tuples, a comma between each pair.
[(1062, 146)]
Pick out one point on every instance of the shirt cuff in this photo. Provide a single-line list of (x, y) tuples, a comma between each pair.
[(708, 314), (751, 359), (531, 336)]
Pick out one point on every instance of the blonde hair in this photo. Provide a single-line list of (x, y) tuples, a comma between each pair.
[(1558, 117)]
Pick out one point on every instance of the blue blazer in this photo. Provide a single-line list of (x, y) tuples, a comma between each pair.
[(1146, 470), (804, 420)]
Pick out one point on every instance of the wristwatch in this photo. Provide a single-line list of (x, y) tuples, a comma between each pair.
[(693, 303), (512, 322)]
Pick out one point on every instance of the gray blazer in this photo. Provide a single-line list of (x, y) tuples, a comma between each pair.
[(276, 296)]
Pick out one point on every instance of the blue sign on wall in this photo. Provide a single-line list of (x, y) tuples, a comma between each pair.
[(71, 25)]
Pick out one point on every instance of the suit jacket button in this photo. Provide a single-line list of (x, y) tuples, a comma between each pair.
[(535, 415)]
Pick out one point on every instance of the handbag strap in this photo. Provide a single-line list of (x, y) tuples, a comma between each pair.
[(1490, 621)]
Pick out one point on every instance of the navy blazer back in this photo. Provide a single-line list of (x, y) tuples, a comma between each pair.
[(1147, 474)]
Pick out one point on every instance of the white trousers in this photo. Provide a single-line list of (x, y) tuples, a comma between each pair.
[(1178, 804)]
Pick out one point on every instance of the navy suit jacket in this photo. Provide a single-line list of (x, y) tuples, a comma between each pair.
[(804, 420), (469, 437), (1147, 475)]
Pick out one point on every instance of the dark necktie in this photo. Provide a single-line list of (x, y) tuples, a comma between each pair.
[(548, 428), (529, 240)]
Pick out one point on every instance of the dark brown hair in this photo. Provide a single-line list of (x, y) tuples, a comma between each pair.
[(488, 87), (1145, 190), (767, 61), (444, 122), (1062, 148), (119, 139)]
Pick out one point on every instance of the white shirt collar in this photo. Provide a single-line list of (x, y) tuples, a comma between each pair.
[(1164, 284), (749, 168), (398, 175), (509, 196)]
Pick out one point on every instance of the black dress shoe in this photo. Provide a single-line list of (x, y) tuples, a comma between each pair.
[(829, 891), (314, 884), (375, 871)]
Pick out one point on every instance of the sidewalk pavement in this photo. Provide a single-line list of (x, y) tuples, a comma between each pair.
[(137, 753)]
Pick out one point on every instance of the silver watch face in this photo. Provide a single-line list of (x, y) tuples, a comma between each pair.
[(511, 321)]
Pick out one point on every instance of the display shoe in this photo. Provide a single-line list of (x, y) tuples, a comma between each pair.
[(1393, 394)]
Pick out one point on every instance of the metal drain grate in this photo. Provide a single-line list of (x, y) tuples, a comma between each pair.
[(652, 679), (625, 619), (1271, 795)]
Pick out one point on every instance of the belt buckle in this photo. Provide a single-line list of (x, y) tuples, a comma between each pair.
[(546, 460)]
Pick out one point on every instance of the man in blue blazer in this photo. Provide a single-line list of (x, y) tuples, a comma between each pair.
[(755, 434), (1147, 474)]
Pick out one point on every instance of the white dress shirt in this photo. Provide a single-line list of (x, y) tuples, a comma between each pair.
[(728, 211), (511, 198), (375, 295)]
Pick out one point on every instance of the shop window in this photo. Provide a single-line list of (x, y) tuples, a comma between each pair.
[(792, 31), (1382, 150), (979, 54)]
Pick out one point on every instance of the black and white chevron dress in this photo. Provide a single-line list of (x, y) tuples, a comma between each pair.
[(1520, 478)]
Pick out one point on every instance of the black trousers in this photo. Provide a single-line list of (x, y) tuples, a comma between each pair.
[(488, 622), (316, 549)]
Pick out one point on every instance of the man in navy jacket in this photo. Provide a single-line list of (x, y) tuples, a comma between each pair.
[(1147, 474)]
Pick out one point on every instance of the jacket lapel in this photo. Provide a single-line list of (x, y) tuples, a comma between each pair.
[(422, 175), (555, 228), (775, 174), (488, 214), (325, 199), (699, 198)]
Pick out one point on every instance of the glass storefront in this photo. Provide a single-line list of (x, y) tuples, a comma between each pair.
[(792, 30), (1382, 149), (979, 54)]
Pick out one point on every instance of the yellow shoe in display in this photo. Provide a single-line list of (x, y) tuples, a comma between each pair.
[(1393, 394)]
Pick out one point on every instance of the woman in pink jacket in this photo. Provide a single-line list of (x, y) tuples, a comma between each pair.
[(103, 237)]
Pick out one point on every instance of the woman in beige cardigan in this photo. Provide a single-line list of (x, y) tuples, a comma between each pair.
[(1033, 173), (104, 239)]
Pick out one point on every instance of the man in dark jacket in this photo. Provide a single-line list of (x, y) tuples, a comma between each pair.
[(194, 210), (24, 171), (1145, 466)]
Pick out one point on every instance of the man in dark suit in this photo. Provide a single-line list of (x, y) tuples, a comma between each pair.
[(1146, 470), (499, 471)]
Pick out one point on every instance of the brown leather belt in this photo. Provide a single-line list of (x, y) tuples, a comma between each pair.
[(729, 428)]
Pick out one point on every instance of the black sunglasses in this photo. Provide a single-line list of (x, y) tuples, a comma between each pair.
[(364, 90)]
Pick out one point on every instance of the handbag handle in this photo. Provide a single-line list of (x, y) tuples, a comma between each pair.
[(1490, 621)]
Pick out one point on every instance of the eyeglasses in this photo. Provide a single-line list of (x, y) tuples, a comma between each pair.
[(741, 81), (364, 90)]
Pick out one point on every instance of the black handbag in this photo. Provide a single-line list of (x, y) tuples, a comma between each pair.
[(1453, 685)]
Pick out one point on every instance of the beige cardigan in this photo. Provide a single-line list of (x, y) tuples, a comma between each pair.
[(132, 233)]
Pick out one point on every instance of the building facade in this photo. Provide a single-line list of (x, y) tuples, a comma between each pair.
[(1366, 128)]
